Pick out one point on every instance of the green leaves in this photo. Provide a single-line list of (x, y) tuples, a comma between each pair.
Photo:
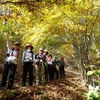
[(90, 72), (96, 72)]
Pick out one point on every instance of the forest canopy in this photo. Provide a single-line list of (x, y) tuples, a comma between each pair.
[(66, 26)]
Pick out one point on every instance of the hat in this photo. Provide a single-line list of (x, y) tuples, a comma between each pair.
[(28, 45), (17, 43), (45, 50), (40, 49)]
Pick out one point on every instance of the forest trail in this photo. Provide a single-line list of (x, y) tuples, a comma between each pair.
[(68, 88)]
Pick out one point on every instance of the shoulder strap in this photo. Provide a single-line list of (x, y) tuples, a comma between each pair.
[(32, 54), (36, 56), (12, 52)]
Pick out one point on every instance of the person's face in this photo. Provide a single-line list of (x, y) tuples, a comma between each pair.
[(28, 48), (45, 53), (40, 51), (62, 58), (16, 47), (50, 58)]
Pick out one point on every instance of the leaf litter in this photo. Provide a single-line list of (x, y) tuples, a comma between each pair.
[(68, 88)]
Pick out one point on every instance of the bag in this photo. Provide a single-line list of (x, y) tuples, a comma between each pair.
[(57, 67), (12, 59), (45, 64)]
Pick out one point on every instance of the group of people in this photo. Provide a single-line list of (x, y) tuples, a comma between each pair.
[(46, 67)]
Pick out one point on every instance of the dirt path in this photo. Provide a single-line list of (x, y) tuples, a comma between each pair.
[(68, 88)]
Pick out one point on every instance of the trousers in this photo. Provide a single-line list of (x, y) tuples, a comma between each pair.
[(8, 66), (28, 67), (62, 71), (40, 74)]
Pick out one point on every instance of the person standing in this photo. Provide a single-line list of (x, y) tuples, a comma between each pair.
[(50, 67), (61, 65), (46, 65), (10, 64), (39, 67), (27, 64), (55, 64)]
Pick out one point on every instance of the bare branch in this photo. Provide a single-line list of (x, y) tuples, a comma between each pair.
[(20, 3)]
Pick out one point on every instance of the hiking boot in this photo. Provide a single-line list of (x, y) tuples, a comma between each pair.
[(23, 84), (30, 84), (9, 87), (1, 88), (37, 84)]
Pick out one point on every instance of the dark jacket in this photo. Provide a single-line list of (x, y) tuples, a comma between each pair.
[(61, 63)]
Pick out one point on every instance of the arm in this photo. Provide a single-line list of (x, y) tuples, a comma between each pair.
[(34, 63), (33, 57), (23, 56), (19, 56), (7, 40)]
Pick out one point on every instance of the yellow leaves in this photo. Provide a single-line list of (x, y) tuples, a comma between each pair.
[(24, 90), (53, 0), (52, 13), (78, 1)]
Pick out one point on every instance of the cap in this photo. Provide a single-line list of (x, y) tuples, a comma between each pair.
[(17, 43), (45, 50), (40, 49)]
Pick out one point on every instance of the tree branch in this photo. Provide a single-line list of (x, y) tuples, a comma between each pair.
[(19, 3), (7, 2)]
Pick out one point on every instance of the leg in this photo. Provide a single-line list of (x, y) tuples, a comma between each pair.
[(5, 74), (57, 73), (63, 71), (50, 72), (42, 74), (60, 69), (30, 73), (47, 74), (37, 68), (12, 74), (25, 70)]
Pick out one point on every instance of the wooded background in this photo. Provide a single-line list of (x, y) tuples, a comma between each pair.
[(69, 28)]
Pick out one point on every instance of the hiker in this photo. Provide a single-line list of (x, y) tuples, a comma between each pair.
[(46, 65), (55, 65), (10, 64), (61, 64), (39, 67), (50, 67), (27, 64)]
